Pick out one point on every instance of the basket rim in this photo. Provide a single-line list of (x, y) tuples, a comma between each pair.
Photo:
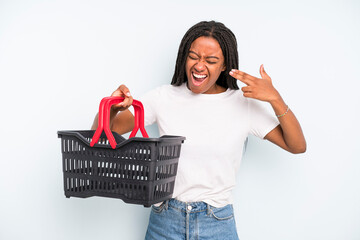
[(164, 138)]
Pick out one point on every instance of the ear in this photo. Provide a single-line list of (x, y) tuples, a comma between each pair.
[(223, 68)]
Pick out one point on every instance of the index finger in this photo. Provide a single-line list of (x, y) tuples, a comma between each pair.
[(125, 91), (128, 98), (241, 76), (127, 102)]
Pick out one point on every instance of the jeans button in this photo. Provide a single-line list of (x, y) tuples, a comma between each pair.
[(189, 207)]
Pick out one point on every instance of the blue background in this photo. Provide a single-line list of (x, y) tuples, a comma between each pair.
[(59, 58)]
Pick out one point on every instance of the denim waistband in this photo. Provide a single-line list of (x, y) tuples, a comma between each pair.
[(189, 207), (173, 214)]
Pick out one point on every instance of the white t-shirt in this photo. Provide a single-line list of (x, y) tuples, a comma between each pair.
[(216, 127)]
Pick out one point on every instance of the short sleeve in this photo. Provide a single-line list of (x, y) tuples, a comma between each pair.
[(261, 121)]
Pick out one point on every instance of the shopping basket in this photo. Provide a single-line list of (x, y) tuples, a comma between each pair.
[(138, 170)]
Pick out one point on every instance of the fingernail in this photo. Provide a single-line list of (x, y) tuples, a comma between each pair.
[(231, 73), (128, 94)]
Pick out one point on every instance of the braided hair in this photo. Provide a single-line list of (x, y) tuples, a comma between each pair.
[(227, 42)]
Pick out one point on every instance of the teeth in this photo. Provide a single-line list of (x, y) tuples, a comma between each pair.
[(199, 76)]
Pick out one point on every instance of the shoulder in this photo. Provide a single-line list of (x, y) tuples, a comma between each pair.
[(238, 97)]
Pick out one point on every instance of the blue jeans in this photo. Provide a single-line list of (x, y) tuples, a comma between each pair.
[(175, 220)]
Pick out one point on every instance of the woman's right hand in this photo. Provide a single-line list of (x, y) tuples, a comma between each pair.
[(124, 92)]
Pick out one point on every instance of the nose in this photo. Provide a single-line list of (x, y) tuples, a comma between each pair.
[(200, 66)]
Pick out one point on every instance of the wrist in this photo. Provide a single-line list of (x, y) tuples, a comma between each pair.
[(279, 106), (276, 100)]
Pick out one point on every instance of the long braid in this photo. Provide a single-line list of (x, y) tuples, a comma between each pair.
[(227, 42)]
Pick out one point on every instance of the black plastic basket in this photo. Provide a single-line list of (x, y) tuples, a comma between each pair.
[(103, 163)]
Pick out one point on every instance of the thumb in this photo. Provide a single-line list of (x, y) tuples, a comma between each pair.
[(263, 74)]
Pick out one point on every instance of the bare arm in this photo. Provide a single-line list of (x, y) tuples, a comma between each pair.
[(288, 135), (121, 119)]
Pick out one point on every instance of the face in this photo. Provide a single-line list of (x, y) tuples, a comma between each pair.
[(204, 64)]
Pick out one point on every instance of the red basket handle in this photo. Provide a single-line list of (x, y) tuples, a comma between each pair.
[(104, 120), (139, 119), (100, 127)]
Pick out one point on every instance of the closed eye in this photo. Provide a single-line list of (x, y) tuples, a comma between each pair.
[(192, 57)]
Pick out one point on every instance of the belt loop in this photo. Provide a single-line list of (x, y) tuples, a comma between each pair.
[(166, 204), (208, 209)]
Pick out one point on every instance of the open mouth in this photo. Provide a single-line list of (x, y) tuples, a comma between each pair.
[(198, 79)]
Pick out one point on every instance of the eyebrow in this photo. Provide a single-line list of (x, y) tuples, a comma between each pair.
[(199, 55)]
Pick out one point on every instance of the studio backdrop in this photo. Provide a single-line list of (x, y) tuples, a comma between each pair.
[(58, 59)]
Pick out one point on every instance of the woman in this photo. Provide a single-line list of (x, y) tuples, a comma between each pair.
[(203, 104)]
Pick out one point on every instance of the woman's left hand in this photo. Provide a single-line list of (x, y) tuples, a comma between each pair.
[(288, 134), (257, 88)]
